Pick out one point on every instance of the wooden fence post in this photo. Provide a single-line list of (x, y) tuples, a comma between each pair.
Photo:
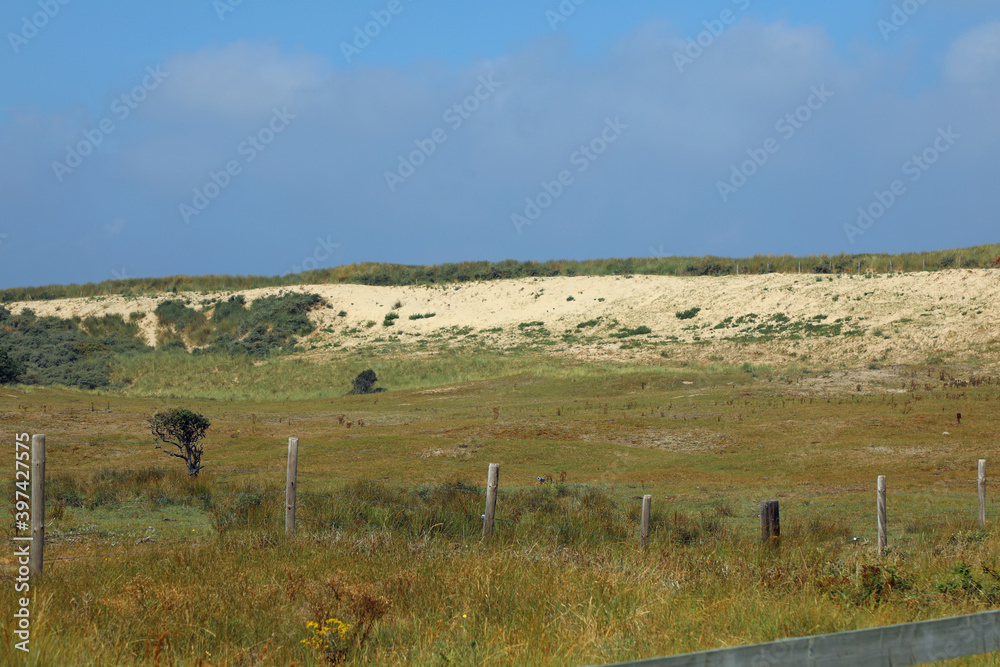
[(770, 522), (290, 480), (882, 519), (37, 505), (647, 502), (492, 484), (982, 493)]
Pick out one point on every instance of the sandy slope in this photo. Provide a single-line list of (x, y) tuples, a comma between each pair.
[(947, 314)]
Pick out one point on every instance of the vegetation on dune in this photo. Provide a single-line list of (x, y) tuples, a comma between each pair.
[(52, 350), (85, 353), (271, 324), (372, 273), (10, 368)]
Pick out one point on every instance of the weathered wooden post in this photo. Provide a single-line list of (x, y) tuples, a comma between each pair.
[(882, 519), (770, 522), (647, 502), (37, 505), (982, 493), (290, 480), (492, 484)]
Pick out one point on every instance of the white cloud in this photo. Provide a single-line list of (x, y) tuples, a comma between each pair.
[(975, 56), (115, 226), (239, 80)]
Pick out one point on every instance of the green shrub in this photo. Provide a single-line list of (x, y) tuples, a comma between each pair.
[(625, 332), (110, 326), (390, 319), (176, 315), (688, 314), (10, 369)]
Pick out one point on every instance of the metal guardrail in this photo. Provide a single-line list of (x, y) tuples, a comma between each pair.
[(886, 646)]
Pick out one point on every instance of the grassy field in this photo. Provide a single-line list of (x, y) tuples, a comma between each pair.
[(147, 566)]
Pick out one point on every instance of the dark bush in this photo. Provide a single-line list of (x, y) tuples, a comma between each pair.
[(365, 383), (184, 430)]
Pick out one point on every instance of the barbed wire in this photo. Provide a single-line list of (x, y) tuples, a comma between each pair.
[(178, 470), (118, 550), (425, 459), (385, 481), (539, 503), (387, 504), (173, 524)]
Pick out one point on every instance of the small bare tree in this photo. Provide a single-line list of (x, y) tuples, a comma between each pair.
[(184, 430)]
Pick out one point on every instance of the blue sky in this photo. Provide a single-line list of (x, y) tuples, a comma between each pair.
[(203, 136)]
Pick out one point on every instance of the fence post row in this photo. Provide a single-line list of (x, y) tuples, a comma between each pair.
[(770, 522), (882, 519), (770, 519), (290, 479), (492, 483), (647, 502), (37, 505)]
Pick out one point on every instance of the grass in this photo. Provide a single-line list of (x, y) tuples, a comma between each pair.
[(388, 540), (247, 597)]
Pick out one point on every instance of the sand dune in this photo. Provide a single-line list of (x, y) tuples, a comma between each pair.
[(903, 318)]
